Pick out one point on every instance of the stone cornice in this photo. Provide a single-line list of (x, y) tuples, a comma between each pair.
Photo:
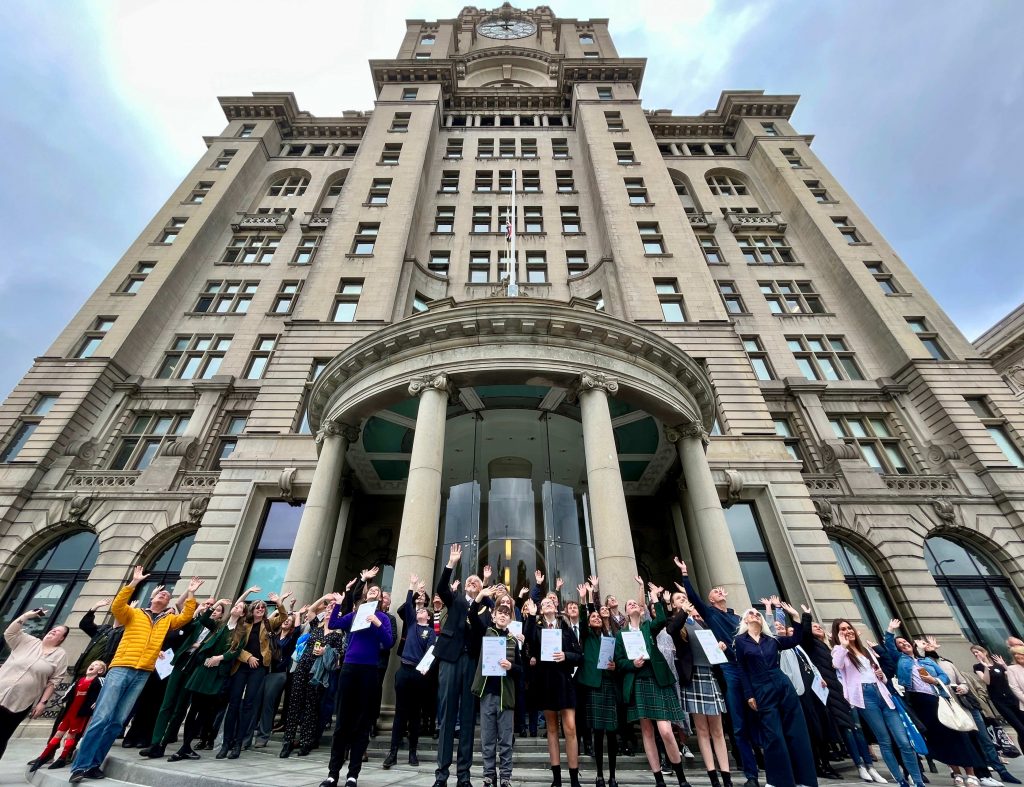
[(722, 120), (283, 108)]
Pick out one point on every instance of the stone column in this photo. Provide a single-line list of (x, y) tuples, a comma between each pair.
[(333, 558), (613, 540), (316, 533), (719, 554)]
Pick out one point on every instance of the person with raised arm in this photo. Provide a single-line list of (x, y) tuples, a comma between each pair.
[(280, 673), (135, 659), (724, 622), (456, 651), (788, 758), (603, 699), (357, 684)]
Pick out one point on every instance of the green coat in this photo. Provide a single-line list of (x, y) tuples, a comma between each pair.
[(588, 674), (657, 663), (189, 634), (210, 680)]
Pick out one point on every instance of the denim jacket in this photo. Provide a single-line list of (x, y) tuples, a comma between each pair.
[(905, 666)]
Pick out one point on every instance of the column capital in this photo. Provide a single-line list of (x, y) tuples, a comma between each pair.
[(432, 382), (334, 428), (592, 381), (691, 430)]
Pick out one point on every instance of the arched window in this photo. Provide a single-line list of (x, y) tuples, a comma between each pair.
[(166, 568), (52, 580), (865, 586), (726, 186), (982, 600), (289, 186)]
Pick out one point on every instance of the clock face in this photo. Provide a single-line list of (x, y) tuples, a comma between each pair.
[(505, 30)]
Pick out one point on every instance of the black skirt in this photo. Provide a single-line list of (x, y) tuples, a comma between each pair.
[(551, 686), (945, 745)]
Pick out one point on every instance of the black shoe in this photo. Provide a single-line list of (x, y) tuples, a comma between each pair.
[(612, 782), (77, 776), (751, 782), (440, 783), (390, 760), (1004, 776), (413, 759), (588, 750), (304, 751), (95, 773), (599, 782), (60, 762), (178, 756), (128, 744), (35, 765), (223, 752), (330, 781), (236, 750)]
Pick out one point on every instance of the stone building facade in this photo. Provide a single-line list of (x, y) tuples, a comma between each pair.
[(309, 360)]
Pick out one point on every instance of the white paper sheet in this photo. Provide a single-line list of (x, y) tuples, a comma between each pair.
[(360, 622), (550, 643), (493, 650), (607, 652), (428, 659), (635, 645), (709, 644), (821, 692), (163, 663)]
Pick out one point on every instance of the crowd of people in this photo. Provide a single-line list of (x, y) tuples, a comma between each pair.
[(769, 686)]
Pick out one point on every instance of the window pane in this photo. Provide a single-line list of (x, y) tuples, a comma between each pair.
[(759, 578), (806, 368), (257, 367), (75, 553), (896, 458), (148, 452), (1006, 446), (828, 368), (672, 311), (345, 312), (280, 526), (948, 557), (871, 456), (191, 367), (20, 438), (746, 536), (985, 616), (840, 552), (878, 605), (123, 455), (266, 573), (761, 369)]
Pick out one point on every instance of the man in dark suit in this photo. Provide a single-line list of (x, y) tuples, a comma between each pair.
[(456, 651)]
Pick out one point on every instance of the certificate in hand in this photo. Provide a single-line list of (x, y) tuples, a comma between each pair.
[(709, 644), (492, 652), (550, 643), (428, 658), (821, 692), (515, 628), (635, 646), (607, 652), (163, 663), (359, 621)]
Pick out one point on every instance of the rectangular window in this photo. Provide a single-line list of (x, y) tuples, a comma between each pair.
[(571, 220), (758, 358), (233, 426), (449, 181), (784, 429), (169, 233), (769, 130), (27, 425), (586, 39), (792, 158), (133, 283), (410, 93), (564, 181), (791, 297), (598, 299), (997, 430), (709, 247), (391, 153), (929, 338), (225, 297), (614, 121), (651, 237), (259, 359), (427, 40), (765, 249), (148, 432), (485, 148), (604, 94), (505, 181), (506, 148), (302, 423), (531, 181), (886, 281), (196, 357), (199, 193), (671, 300), (439, 262), (818, 191), (726, 186), (731, 297), (536, 267), (576, 262), (479, 267), (251, 250), (400, 121), (379, 190), (277, 536), (484, 180), (286, 298), (528, 148), (444, 220), (560, 148), (874, 439), (624, 153), (306, 250), (246, 131), (453, 149), (346, 300), (419, 303), (222, 161), (824, 358), (94, 337), (422, 56), (481, 218), (637, 191), (846, 229), (533, 219), (365, 239), (755, 561)]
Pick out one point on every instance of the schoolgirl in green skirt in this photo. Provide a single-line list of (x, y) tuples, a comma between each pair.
[(603, 697)]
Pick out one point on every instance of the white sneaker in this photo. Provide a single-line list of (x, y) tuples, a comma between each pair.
[(685, 751), (988, 781), (865, 774), (876, 777)]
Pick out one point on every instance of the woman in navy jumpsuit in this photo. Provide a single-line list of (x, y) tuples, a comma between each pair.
[(788, 758)]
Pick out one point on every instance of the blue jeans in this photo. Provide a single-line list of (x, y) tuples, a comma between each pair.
[(117, 697), (857, 743), (887, 727), (737, 705), (987, 747)]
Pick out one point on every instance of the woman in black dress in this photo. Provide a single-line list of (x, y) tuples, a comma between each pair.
[(992, 671), (551, 685)]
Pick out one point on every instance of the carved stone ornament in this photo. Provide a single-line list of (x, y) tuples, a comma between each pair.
[(197, 507), (1014, 377), (84, 450), (825, 510), (286, 484), (334, 428), (734, 487), (187, 447), (435, 382), (945, 510), (940, 453), (676, 433), (834, 450), (78, 507), (591, 381)]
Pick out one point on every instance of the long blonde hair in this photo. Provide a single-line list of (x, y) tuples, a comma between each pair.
[(765, 628)]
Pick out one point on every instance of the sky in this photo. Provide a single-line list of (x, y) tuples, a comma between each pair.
[(913, 106)]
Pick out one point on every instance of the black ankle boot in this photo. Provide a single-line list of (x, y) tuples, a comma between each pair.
[(713, 777), (659, 780), (556, 776), (574, 777), (726, 778), (680, 775), (223, 752), (286, 750), (390, 760)]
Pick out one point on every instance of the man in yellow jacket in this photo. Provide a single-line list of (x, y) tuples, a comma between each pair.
[(144, 632)]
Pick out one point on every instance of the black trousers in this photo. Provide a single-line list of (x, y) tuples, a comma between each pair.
[(358, 684), (410, 691), (9, 722), (199, 721)]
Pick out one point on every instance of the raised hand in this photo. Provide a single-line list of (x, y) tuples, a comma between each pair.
[(369, 573), (639, 580), (680, 588), (592, 581), (138, 576), (767, 604), (893, 625), (273, 598), (538, 575), (790, 610), (523, 592), (194, 584), (414, 580), (253, 589), (421, 588), (487, 573), (680, 565), (776, 602), (454, 555), (529, 608), (455, 585), (351, 582), (582, 590), (805, 608), (558, 583), (103, 603)]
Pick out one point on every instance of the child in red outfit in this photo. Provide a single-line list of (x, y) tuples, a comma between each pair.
[(80, 701)]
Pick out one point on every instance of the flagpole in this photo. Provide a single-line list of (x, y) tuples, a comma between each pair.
[(513, 286)]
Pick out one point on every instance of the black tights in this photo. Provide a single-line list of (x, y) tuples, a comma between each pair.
[(613, 749)]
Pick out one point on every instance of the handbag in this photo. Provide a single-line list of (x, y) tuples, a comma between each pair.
[(953, 716)]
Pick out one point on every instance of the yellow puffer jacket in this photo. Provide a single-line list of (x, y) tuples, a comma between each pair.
[(143, 634)]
